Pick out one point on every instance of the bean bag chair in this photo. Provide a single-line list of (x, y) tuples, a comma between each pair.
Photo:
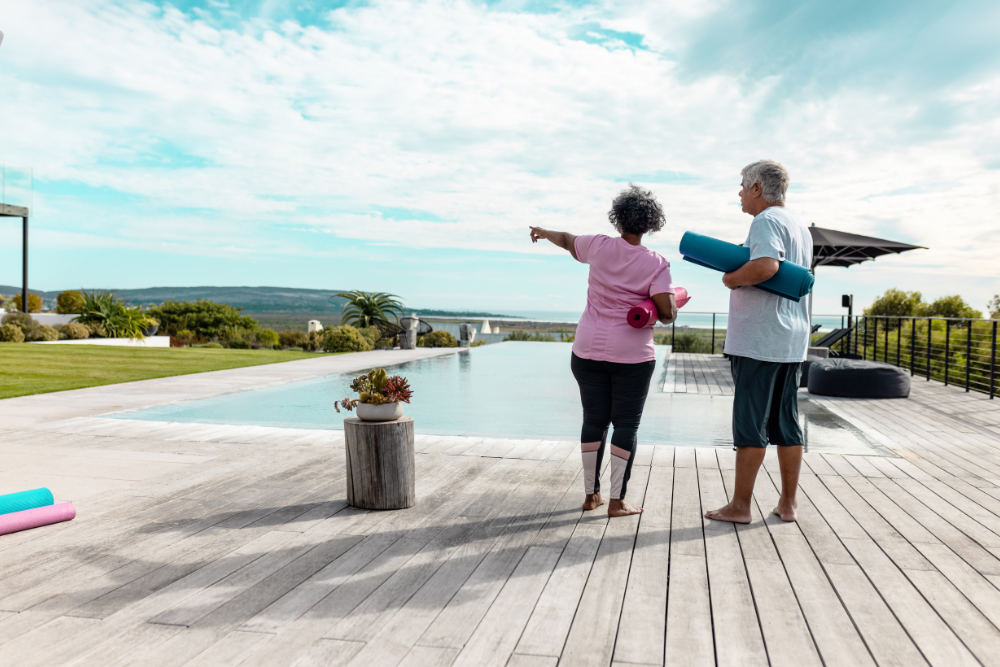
[(852, 378), (804, 382)]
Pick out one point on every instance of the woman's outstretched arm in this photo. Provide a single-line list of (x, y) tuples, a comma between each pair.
[(564, 240)]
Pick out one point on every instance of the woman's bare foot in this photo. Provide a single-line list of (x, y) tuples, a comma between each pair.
[(592, 501), (622, 508), (730, 514), (785, 510)]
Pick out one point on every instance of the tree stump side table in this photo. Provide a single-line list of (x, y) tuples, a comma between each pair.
[(381, 471)]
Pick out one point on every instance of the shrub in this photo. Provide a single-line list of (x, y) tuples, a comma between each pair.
[(950, 306), (185, 336), (268, 338), (345, 338), (524, 335), (96, 330), (24, 322), (205, 319), (477, 343), (10, 333), (115, 318), (371, 333), (47, 333), (293, 339), (69, 302), (897, 303), (76, 331), (691, 342), (34, 302), (437, 339), (239, 338)]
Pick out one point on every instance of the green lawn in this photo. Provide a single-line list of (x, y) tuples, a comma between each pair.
[(39, 369)]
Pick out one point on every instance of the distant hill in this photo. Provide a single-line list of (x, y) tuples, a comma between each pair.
[(251, 299)]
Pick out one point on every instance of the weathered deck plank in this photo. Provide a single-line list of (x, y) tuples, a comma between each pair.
[(239, 549)]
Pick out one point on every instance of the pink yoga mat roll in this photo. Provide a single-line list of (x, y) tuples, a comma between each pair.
[(646, 314), (681, 296), (33, 518), (641, 315)]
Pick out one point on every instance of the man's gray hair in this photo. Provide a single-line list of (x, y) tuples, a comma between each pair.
[(773, 179)]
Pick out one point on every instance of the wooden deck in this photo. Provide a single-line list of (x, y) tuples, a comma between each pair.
[(698, 374), (233, 545)]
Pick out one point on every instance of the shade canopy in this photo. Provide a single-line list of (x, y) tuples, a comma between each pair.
[(833, 248)]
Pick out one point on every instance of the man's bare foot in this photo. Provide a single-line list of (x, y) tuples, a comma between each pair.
[(622, 508), (785, 511), (730, 514), (592, 501)]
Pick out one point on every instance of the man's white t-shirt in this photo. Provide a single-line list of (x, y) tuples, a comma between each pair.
[(762, 325)]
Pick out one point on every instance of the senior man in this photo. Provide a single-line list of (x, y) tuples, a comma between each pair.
[(766, 341)]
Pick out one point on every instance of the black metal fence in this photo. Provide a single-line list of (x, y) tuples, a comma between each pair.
[(955, 351)]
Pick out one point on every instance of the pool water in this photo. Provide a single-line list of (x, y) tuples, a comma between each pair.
[(508, 390)]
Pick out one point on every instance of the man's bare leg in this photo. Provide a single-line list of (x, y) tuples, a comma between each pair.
[(748, 461), (622, 508), (790, 462), (592, 501)]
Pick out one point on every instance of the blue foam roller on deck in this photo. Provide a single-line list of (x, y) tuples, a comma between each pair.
[(791, 281), (25, 500)]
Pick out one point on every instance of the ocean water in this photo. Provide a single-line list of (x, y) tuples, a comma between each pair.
[(694, 319), (508, 390)]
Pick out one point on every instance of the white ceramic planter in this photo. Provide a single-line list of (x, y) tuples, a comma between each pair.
[(380, 413)]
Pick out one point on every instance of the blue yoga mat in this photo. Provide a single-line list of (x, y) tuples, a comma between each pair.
[(25, 500), (791, 281)]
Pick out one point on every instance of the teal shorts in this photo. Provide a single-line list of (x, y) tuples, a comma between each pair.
[(766, 407)]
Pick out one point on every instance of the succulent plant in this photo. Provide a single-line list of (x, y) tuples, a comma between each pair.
[(376, 388)]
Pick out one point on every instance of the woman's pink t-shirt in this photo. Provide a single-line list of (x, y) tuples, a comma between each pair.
[(622, 275)]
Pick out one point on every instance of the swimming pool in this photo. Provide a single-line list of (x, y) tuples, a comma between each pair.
[(509, 390)]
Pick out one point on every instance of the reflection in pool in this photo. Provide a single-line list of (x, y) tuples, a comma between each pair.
[(510, 390)]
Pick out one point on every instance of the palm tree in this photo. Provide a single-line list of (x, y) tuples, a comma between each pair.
[(361, 307)]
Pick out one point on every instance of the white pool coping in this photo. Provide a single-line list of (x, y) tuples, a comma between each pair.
[(150, 341)]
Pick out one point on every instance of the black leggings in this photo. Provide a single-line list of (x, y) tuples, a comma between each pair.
[(611, 393)]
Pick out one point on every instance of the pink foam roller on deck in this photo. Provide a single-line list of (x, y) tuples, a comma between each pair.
[(646, 313), (34, 518)]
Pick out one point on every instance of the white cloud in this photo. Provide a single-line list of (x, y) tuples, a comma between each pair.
[(493, 120)]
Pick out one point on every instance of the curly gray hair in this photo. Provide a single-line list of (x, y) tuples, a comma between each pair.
[(636, 211), (771, 175)]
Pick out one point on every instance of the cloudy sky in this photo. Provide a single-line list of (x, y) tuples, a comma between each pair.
[(406, 146)]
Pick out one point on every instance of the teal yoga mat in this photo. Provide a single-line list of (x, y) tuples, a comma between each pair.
[(25, 500), (791, 281)]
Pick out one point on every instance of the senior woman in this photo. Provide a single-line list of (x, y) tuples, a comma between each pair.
[(612, 361)]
